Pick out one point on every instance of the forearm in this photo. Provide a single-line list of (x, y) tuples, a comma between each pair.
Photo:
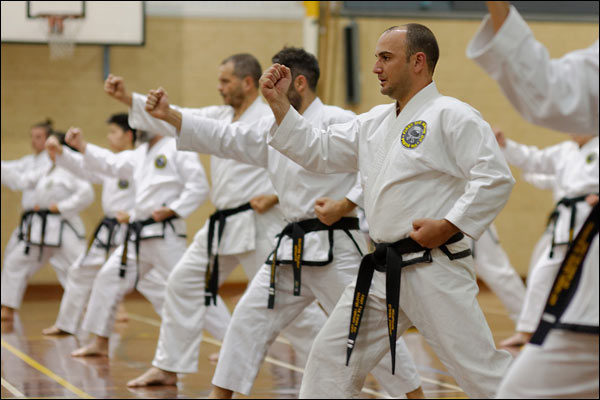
[(498, 13)]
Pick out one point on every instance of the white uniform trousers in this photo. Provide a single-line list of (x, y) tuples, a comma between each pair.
[(440, 300), (539, 282), (254, 327), (80, 279), (185, 314), (159, 254), (19, 267), (494, 268), (565, 366)]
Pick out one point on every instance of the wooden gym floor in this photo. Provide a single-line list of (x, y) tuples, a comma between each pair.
[(35, 366)]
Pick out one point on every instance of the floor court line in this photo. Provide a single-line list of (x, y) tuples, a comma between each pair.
[(13, 390), (293, 367), (61, 381)]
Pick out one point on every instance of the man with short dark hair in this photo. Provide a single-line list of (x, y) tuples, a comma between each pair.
[(314, 257), (431, 170)]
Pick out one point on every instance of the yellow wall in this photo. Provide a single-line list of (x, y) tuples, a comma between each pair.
[(182, 55)]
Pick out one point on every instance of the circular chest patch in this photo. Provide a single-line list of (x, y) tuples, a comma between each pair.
[(591, 158), (413, 134), (161, 161), (123, 183)]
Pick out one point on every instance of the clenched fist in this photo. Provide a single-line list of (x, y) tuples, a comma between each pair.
[(115, 87), (74, 138), (157, 103), (53, 147), (274, 85)]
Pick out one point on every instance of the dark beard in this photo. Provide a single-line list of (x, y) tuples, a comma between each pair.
[(294, 98)]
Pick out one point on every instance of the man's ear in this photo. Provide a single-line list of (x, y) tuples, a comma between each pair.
[(248, 83), (300, 83)]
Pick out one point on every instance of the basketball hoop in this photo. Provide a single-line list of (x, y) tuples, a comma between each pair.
[(62, 37)]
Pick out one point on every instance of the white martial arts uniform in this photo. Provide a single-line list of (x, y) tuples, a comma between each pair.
[(576, 173), (117, 195), (494, 268), (30, 162), (246, 240), (437, 159), (162, 176), (254, 326), (60, 242), (559, 94)]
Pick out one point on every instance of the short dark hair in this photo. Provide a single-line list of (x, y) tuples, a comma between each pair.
[(300, 62), (244, 65), (122, 120), (420, 38), (47, 125)]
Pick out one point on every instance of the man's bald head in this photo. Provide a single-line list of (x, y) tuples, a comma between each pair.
[(419, 38)]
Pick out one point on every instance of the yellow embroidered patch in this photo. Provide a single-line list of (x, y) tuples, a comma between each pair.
[(413, 134)]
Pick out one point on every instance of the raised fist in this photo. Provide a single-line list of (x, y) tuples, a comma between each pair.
[(115, 87), (74, 138), (157, 103), (275, 82), (53, 147)]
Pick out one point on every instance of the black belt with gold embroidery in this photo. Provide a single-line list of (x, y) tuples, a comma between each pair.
[(211, 280), (387, 258), (26, 218), (566, 282), (135, 229), (297, 230), (111, 225), (567, 202)]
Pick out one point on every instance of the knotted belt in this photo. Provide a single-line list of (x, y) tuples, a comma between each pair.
[(26, 218), (567, 202), (111, 225), (135, 229), (297, 230), (387, 258), (566, 282), (212, 275)]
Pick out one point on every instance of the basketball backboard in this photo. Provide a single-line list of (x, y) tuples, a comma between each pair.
[(86, 22)]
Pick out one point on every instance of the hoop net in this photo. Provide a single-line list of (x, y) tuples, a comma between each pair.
[(62, 36)]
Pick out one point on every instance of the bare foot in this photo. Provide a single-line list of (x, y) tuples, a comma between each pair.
[(54, 331), (214, 358), (220, 393), (516, 340), (122, 314), (98, 348), (416, 394), (154, 377), (7, 313)]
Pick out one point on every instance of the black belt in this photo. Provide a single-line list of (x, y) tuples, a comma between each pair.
[(135, 228), (567, 202), (26, 218), (387, 258), (212, 276), (110, 224), (566, 282), (297, 230)]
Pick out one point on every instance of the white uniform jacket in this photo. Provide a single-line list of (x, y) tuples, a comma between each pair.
[(31, 162), (52, 185), (117, 194), (297, 188), (575, 171), (161, 176), (234, 183), (437, 159), (560, 94)]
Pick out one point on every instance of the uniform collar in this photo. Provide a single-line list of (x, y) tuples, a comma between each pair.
[(313, 109), (429, 92)]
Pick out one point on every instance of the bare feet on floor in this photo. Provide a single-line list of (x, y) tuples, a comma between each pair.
[(98, 348), (516, 340), (220, 393), (7, 313), (416, 394), (54, 331), (122, 314), (154, 377)]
